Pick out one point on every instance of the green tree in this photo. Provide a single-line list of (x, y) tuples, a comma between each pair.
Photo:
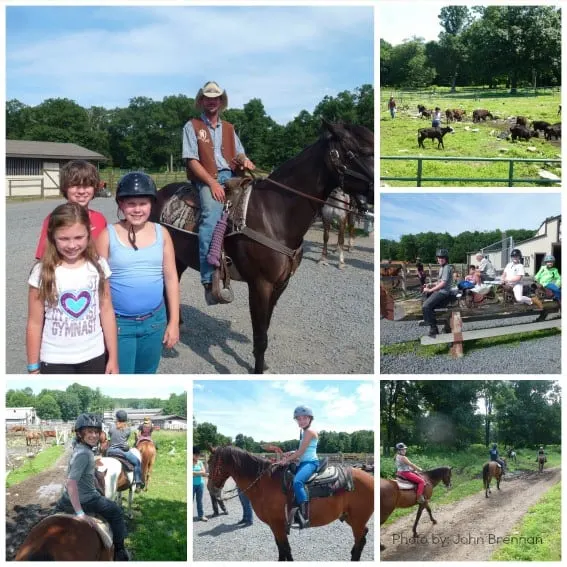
[(47, 407), (19, 399)]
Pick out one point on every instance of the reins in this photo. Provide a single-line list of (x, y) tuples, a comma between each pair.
[(269, 469)]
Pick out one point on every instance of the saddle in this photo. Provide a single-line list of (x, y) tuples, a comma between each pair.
[(127, 466), (405, 484), (102, 527)]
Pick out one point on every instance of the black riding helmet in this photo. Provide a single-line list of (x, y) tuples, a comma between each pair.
[(121, 415), (88, 420), (516, 252), (136, 184), (442, 253)]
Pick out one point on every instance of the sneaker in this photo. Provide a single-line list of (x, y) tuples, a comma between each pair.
[(243, 521), (203, 519), (537, 302), (433, 331)]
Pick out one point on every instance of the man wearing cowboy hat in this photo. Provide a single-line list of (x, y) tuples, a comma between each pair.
[(210, 147)]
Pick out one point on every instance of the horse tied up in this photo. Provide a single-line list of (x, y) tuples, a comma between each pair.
[(266, 251)]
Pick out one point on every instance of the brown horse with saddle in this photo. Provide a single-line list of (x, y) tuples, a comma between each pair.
[(489, 471), (400, 493)]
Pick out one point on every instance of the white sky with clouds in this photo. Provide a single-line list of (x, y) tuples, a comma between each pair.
[(398, 21), (263, 409), (115, 387), (289, 56), (411, 213)]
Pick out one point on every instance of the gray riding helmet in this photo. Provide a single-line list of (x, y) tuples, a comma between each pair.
[(88, 420), (302, 410)]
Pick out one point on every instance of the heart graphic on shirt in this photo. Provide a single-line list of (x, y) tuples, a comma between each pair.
[(75, 305)]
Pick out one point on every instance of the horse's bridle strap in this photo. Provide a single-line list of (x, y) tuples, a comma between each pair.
[(266, 241)]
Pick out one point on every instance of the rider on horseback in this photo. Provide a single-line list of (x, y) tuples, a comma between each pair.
[(80, 494), (145, 430), (308, 461), (495, 457), (405, 468), (118, 438)]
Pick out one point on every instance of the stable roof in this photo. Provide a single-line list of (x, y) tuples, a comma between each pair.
[(50, 150)]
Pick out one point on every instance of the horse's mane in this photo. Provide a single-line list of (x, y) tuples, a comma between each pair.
[(246, 463)]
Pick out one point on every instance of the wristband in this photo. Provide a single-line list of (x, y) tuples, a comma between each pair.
[(81, 513), (33, 367)]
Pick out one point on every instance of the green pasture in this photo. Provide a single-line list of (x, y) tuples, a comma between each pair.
[(158, 531), (42, 461), (467, 466), (398, 137), (543, 520)]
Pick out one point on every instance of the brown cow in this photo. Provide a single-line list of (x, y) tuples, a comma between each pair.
[(31, 436)]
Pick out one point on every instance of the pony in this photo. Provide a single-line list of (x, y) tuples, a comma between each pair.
[(63, 538), (491, 470), (148, 455), (392, 496), (261, 480), (512, 455), (282, 207), (337, 208), (33, 436)]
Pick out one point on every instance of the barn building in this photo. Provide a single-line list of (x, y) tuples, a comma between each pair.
[(135, 416), (21, 416), (32, 168), (170, 422), (547, 240)]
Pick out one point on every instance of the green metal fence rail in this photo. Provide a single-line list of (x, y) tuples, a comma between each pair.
[(507, 180)]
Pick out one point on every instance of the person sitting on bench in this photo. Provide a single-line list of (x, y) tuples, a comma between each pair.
[(439, 294)]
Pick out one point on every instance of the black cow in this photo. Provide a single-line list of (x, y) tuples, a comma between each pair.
[(553, 131), (540, 125), (523, 133), (481, 114), (521, 121), (432, 134)]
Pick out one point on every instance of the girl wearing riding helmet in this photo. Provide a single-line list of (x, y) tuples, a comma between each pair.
[(308, 461), (405, 468), (145, 430), (118, 435), (494, 456), (80, 495), (548, 276), (512, 276), (141, 256)]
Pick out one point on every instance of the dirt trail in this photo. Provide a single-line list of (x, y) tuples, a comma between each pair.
[(32, 500), (467, 530)]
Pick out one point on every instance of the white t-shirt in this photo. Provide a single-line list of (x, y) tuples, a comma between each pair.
[(72, 332), (513, 270)]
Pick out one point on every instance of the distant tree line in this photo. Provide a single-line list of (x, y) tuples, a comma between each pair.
[(446, 413), (425, 244), (205, 434), (147, 133), (482, 45), (67, 404)]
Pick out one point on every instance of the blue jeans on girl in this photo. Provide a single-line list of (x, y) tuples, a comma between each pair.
[(198, 493), (304, 471)]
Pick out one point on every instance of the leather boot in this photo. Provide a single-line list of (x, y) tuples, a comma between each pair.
[(302, 515)]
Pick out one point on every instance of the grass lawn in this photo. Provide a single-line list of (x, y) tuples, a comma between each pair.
[(398, 137), (158, 531), (31, 467)]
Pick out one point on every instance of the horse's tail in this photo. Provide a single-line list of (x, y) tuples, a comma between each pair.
[(485, 475)]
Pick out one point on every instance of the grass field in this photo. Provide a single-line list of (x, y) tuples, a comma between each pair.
[(31, 467), (467, 470), (159, 529), (398, 137)]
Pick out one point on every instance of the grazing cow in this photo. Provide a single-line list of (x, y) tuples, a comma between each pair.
[(481, 114), (553, 131), (33, 436), (521, 121), (450, 116), (540, 125), (459, 114), (523, 133), (433, 134)]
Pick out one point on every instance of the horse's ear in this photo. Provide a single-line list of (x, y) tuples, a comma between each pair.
[(329, 127), (211, 448)]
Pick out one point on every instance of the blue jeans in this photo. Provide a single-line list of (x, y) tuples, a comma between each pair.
[(131, 458), (556, 291), (304, 471), (198, 492), (246, 507), (140, 343), (211, 212), (393, 112)]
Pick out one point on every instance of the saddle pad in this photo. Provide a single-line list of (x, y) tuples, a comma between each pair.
[(126, 465), (333, 480), (102, 528), (405, 484)]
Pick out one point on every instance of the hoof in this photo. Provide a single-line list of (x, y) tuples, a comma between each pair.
[(434, 521), (341, 266)]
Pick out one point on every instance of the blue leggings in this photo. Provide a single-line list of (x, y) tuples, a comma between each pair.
[(304, 471), (556, 290)]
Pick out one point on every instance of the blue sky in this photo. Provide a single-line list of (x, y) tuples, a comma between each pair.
[(263, 409), (114, 387), (290, 57), (411, 213), (402, 20)]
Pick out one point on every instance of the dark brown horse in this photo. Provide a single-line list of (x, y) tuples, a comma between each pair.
[(392, 497), (281, 209), (261, 480), (63, 538), (491, 470)]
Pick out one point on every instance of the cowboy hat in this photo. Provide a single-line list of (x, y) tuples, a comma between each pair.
[(211, 90)]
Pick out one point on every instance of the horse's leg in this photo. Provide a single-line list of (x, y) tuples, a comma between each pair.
[(180, 267), (350, 225), (326, 229), (261, 307), (433, 520), (359, 531), (419, 512), (284, 549), (341, 243), (130, 496)]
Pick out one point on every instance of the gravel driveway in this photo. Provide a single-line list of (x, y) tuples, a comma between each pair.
[(323, 322), (220, 539)]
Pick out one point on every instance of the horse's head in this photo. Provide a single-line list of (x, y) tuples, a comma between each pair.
[(351, 158), (218, 474), (447, 477), (102, 443)]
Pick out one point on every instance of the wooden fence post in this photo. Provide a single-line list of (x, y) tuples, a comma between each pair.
[(457, 330)]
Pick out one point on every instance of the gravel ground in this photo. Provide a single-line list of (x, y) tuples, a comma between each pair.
[(536, 356), (220, 539), (332, 308)]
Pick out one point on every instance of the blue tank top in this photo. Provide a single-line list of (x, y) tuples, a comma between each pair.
[(311, 451), (136, 282)]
